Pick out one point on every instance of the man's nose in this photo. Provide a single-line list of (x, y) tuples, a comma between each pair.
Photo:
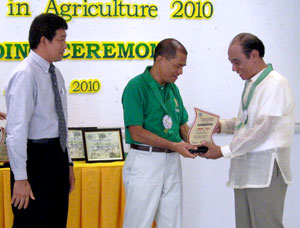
[(234, 68), (180, 71)]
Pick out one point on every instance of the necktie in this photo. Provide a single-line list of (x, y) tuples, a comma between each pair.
[(59, 109)]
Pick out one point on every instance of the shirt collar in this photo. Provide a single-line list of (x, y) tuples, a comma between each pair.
[(150, 80), (41, 62), (255, 77)]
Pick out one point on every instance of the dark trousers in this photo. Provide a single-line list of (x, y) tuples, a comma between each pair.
[(48, 175)]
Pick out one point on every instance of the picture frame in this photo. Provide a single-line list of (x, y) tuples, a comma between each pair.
[(104, 145), (76, 145), (4, 161)]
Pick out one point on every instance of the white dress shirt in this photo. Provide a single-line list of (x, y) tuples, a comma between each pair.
[(266, 137), (31, 112)]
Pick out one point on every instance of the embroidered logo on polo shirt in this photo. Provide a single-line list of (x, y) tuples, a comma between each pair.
[(177, 105), (176, 102)]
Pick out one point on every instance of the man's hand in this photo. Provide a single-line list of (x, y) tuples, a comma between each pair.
[(217, 128), (214, 151), (71, 179), (183, 147), (2, 116), (21, 193)]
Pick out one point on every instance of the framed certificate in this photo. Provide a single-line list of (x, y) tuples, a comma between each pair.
[(3, 149), (75, 142), (103, 145)]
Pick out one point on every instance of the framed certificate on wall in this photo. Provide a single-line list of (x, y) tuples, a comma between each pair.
[(103, 145)]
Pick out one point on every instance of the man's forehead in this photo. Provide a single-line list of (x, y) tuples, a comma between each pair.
[(235, 49), (235, 46), (60, 32)]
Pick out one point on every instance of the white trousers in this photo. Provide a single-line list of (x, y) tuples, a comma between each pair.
[(153, 187)]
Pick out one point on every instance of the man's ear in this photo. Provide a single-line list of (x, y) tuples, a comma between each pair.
[(44, 40), (254, 54), (159, 59)]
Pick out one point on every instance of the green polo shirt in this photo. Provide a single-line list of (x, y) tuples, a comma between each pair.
[(142, 106)]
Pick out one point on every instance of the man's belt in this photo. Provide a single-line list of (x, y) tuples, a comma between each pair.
[(148, 148), (44, 141)]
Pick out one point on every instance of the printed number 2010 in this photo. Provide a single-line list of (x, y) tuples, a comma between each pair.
[(85, 86), (192, 9)]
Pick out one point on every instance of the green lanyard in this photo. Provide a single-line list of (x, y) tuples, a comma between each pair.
[(165, 104), (261, 77), (161, 101)]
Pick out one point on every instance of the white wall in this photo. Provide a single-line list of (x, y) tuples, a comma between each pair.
[(207, 82)]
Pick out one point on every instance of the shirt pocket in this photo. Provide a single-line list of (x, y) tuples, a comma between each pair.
[(63, 96)]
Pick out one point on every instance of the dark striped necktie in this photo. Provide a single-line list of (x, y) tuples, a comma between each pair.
[(59, 109)]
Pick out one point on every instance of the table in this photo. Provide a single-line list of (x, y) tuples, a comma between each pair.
[(97, 201)]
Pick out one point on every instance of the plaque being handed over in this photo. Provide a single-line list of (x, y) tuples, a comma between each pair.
[(202, 130)]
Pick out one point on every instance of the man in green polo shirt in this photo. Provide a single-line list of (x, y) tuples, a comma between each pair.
[(155, 127)]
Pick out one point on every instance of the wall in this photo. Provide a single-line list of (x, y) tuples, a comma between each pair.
[(207, 82)]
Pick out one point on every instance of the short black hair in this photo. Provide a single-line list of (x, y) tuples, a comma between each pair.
[(249, 42), (45, 25), (168, 47)]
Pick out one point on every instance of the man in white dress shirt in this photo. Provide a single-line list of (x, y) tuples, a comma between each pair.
[(263, 131), (42, 173)]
